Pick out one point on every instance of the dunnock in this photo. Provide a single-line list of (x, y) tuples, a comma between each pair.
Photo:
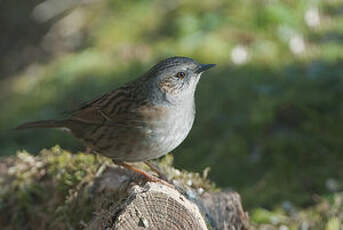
[(142, 120)]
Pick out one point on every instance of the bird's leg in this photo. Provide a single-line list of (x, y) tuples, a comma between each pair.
[(156, 169), (136, 170), (141, 172)]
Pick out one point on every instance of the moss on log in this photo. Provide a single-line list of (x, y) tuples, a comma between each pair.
[(60, 190)]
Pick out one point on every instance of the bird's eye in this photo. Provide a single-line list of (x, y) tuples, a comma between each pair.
[(180, 75)]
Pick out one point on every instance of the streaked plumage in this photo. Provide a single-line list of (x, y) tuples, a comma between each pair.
[(142, 120)]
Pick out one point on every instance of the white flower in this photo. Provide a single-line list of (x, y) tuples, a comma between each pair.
[(239, 55), (312, 17), (297, 44)]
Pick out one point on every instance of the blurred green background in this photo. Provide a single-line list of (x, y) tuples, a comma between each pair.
[(269, 116)]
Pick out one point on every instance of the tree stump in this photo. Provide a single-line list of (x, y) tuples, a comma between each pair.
[(157, 206), (139, 205), (57, 190)]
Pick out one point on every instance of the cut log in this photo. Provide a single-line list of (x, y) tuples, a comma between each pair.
[(57, 190), (156, 206)]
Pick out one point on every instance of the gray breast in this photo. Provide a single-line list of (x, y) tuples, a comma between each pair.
[(155, 139), (179, 128), (169, 132), (152, 140)]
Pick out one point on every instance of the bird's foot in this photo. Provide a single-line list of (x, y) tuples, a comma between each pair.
[(147, 176), (157, 170)]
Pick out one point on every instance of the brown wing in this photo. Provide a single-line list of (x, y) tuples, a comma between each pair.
[(113, 117), (118, 108), (87, 104), (102, 108)]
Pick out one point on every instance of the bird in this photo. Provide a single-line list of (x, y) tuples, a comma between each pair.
[(141, 120)]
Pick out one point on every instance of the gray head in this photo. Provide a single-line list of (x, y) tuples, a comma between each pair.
[(175, 79)]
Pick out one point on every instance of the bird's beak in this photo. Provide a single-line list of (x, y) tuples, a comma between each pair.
[(204, 67)]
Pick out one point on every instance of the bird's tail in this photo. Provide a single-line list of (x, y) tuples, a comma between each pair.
[(43, 124)]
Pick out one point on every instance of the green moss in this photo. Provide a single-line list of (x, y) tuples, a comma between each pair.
[(49, 190), (192, 179), (54, 189)]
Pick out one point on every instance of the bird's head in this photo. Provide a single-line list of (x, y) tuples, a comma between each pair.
[(176, 78)]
